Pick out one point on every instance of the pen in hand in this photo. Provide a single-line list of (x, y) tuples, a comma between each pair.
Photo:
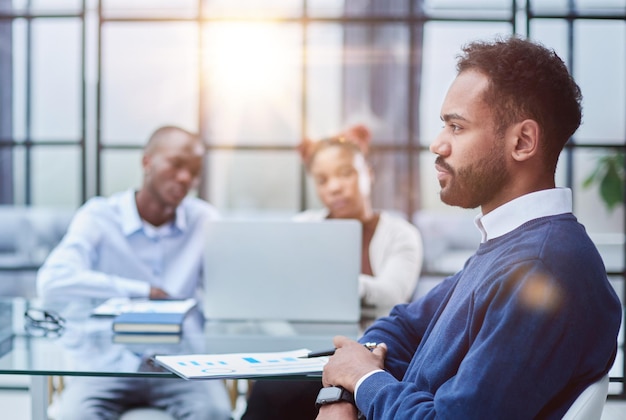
[(369, 346)]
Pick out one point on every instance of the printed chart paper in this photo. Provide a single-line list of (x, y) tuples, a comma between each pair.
[(242, 365)]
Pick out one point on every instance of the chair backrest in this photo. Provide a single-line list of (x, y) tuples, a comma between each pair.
[(589, 404)]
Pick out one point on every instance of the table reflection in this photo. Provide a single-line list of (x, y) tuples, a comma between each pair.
[(88, 346)]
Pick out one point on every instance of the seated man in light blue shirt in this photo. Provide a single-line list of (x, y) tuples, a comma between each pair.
[(145, 243)]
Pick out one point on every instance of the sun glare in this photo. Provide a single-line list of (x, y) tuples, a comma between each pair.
[(249, 58)]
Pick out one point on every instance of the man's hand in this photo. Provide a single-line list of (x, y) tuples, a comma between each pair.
[(156, 293), (337, 411), (350, 362)]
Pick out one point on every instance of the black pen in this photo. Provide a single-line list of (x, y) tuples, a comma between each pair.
[(370, 346)]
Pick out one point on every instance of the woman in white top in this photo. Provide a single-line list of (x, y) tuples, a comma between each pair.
[(392, 247), (390, 263)]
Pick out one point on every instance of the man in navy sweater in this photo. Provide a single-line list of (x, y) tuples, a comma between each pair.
[(531, 320)]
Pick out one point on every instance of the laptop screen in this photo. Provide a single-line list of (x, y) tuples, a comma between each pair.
[(282, 270)]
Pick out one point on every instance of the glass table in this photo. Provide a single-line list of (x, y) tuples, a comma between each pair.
[(87, 345)]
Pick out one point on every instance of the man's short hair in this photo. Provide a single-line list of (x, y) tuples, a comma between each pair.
[(527, 81), (162, 133)]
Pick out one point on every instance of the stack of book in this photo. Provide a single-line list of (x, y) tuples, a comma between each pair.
[(146, 321)]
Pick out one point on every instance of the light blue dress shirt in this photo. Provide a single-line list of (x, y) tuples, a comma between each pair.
[(110, 251)]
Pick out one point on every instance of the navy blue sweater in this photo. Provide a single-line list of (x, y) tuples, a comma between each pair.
[(528, 323)]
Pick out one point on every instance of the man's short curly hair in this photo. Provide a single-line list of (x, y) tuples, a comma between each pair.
[(527, 81)]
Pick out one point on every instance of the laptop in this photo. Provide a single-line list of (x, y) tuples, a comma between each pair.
[(282, 270)]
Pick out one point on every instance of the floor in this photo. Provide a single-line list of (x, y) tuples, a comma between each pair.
[(18, 404)]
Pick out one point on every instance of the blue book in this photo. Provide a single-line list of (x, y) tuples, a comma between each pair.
[(151, 322), (147, 338)]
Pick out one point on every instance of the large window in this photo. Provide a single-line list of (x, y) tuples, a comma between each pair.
[(84, 83)]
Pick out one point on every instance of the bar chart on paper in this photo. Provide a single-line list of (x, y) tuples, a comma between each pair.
[(242, 365)]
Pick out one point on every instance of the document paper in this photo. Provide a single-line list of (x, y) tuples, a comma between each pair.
[(118, 305), (242, 365)]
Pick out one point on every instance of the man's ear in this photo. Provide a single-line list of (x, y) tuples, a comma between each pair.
[(526, 137), (145, 161)]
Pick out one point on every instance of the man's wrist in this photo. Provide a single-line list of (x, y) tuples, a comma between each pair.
[(341, 410)]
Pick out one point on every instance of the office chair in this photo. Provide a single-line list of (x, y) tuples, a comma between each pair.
[(589, 404)]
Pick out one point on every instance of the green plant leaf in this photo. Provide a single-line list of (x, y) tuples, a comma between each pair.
[(608, 173), (611, 186), (598, 173), (588, 182)]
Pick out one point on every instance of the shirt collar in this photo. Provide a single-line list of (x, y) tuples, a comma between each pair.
[(515, 213), (131, 221), (180, 222)]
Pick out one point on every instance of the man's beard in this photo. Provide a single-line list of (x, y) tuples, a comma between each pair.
[(476, 184)]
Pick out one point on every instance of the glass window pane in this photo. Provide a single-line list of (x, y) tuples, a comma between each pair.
[(17, 6), (373, 65), (377, 8), (121, 170), (56, 83), (615, 6), (56, 6), (464, 4), (56, 176), (492, 9), (599, 68), (442, 43), (149, 79), (329, 8), (253, 77), (583, 6), (375, 80), (18, 85), (393, 187), (248, 183), (150, 8), (552, 6), (553, 33), (324, 80), (17, 154), (6, 174), (252, 8)]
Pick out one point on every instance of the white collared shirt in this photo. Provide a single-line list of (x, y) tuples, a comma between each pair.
[(515, 213)]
